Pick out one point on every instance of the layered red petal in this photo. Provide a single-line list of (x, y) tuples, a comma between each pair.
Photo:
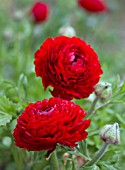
[(69, 65), (45, 124)]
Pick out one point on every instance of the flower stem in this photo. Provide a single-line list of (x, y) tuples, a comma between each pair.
[(100, 107), (53, 161), (98, 156), (92, 107), (18, 158)]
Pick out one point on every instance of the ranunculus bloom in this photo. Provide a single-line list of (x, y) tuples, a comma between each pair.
[(69, 65), (45, 124), (39, 12), (92, 5)]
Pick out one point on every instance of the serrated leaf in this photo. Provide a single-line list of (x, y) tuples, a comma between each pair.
[(6, 85), (4, 119), (7, 106)]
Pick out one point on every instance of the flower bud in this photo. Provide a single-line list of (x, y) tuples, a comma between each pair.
[(65, 155), (6, 141), (67, 31), (103, 90), (39, 12), (110, 134)]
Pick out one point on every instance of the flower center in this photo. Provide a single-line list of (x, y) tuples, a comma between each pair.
[(76, 58), (47, 110)]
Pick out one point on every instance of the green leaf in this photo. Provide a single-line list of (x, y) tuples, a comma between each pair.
[(83, 149), (109, 167), (7, 106), (91, 133), (4, 119), (119, 90), (120, 118), (94, 167), (70, 165), (7, 110), (6, 85)]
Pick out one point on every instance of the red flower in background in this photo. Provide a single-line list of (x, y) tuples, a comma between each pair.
[(39, 12), (69, 65), (45, 124), (92, 5)]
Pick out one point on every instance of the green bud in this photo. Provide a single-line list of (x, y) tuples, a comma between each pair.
[(110, 134), (23, 80), (103, 90), (67, 31)]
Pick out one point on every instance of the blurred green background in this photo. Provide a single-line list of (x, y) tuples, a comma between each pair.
[(105, 32), (19, 40)]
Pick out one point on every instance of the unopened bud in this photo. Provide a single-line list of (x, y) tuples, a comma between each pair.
[(103, 90), (7, 141), (23, 80), (67, 31), (65, 155), (110, 134)]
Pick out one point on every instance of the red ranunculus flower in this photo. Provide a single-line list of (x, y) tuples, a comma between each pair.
[(39, 12), (45, 124), (69, 65), (92, 5)]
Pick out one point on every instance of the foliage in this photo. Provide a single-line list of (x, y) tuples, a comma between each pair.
[(19, 85)]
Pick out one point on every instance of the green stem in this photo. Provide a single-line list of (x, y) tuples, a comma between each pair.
[(98, 156), (43, 164), (100, 107), (20, 159), (92, 107), (17, 155), (53, 161)]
